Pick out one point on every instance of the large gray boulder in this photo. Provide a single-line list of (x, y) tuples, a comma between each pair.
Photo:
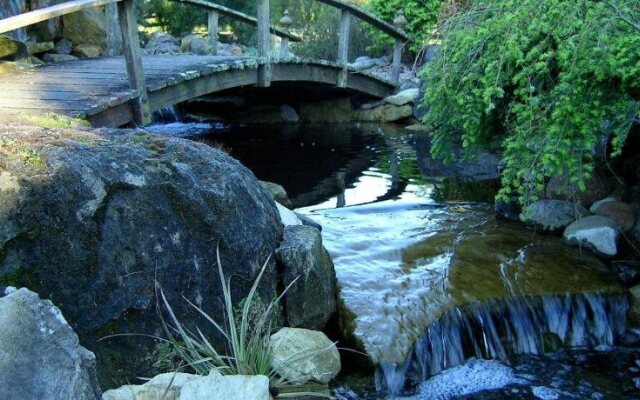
[(311, 300), (88, 26), (596, 233), (11, 49), (95, 219), (303, 355), (40, 356), (553, 215)]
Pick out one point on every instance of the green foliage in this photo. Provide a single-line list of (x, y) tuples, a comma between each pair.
[(174, 18), (318, 25), (422, 16), (545, 79), (53, 120)]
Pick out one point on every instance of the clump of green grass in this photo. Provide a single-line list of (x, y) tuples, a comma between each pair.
[(246, 332), (53, 120)]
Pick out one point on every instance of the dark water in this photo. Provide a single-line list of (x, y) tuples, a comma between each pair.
[(434, 281)]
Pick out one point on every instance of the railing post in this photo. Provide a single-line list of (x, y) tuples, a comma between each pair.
[(214, 17), (133, 59), (264, 70), (400, 22), (285, 23), (343, 46)]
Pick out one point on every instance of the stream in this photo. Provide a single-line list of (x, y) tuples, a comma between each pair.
[(446, 300)]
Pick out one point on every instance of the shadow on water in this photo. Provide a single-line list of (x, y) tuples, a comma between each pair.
[(429, 279)]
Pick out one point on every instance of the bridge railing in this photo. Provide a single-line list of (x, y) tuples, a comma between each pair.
[(131, 40)]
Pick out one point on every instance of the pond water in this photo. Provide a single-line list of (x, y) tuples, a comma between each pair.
[(431, 283)]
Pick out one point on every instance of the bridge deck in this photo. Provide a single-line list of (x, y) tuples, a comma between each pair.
[(98, 89)]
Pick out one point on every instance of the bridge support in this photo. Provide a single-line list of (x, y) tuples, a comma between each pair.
[(264, 43), (133, 59), (343, 46), (214, 17)]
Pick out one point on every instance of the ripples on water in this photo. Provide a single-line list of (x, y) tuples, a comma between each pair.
[(432, 278)]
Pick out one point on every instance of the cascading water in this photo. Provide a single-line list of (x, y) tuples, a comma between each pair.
[(499, 329)]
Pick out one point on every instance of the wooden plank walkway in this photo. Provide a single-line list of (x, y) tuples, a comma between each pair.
[(98, 89)]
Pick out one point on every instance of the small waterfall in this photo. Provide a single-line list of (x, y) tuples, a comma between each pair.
[(166, 115), (499, 329)]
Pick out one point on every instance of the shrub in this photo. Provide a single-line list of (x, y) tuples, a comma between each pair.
[(541, 79), (422, 16)]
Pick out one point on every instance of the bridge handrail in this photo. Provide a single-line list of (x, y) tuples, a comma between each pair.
[(368, 17), (240, 16), (45, 14)]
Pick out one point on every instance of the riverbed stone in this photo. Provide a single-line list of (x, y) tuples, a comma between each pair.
[(162, 43), (64, 46), (597, 187), (39, 47), (11, 49), (58, 58), (553, 215), (87, 51), (96, 218), (278, 193), (311, 301), (288, 114), (623, 213), (597, 233), (303, 355), (404, 97), (40, 356), (384, 113)]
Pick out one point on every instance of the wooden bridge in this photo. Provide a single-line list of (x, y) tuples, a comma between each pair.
[(113, 91)]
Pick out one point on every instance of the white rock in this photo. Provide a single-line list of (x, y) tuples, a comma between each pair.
[(596, 233), (180, 386), (230, 387), (302, 355), (405, 97), (168, 385), (287, 217)]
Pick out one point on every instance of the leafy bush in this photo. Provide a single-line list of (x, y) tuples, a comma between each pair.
[(318, 25), (543, 79), (422, 16)]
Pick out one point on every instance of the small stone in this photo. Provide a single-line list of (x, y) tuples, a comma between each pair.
[(278, 193), (11, 49), (303, 355), (64, 46), (289, 115), (594, 207), (404, 97), (597, 233), (287, 217), (87, 51), (624, 214), (58, 58), (39, 47)]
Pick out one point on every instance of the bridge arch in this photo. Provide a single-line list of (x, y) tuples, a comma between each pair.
[(96, 89)]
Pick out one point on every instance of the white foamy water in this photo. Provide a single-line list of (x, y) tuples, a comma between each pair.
[(472, 377)]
